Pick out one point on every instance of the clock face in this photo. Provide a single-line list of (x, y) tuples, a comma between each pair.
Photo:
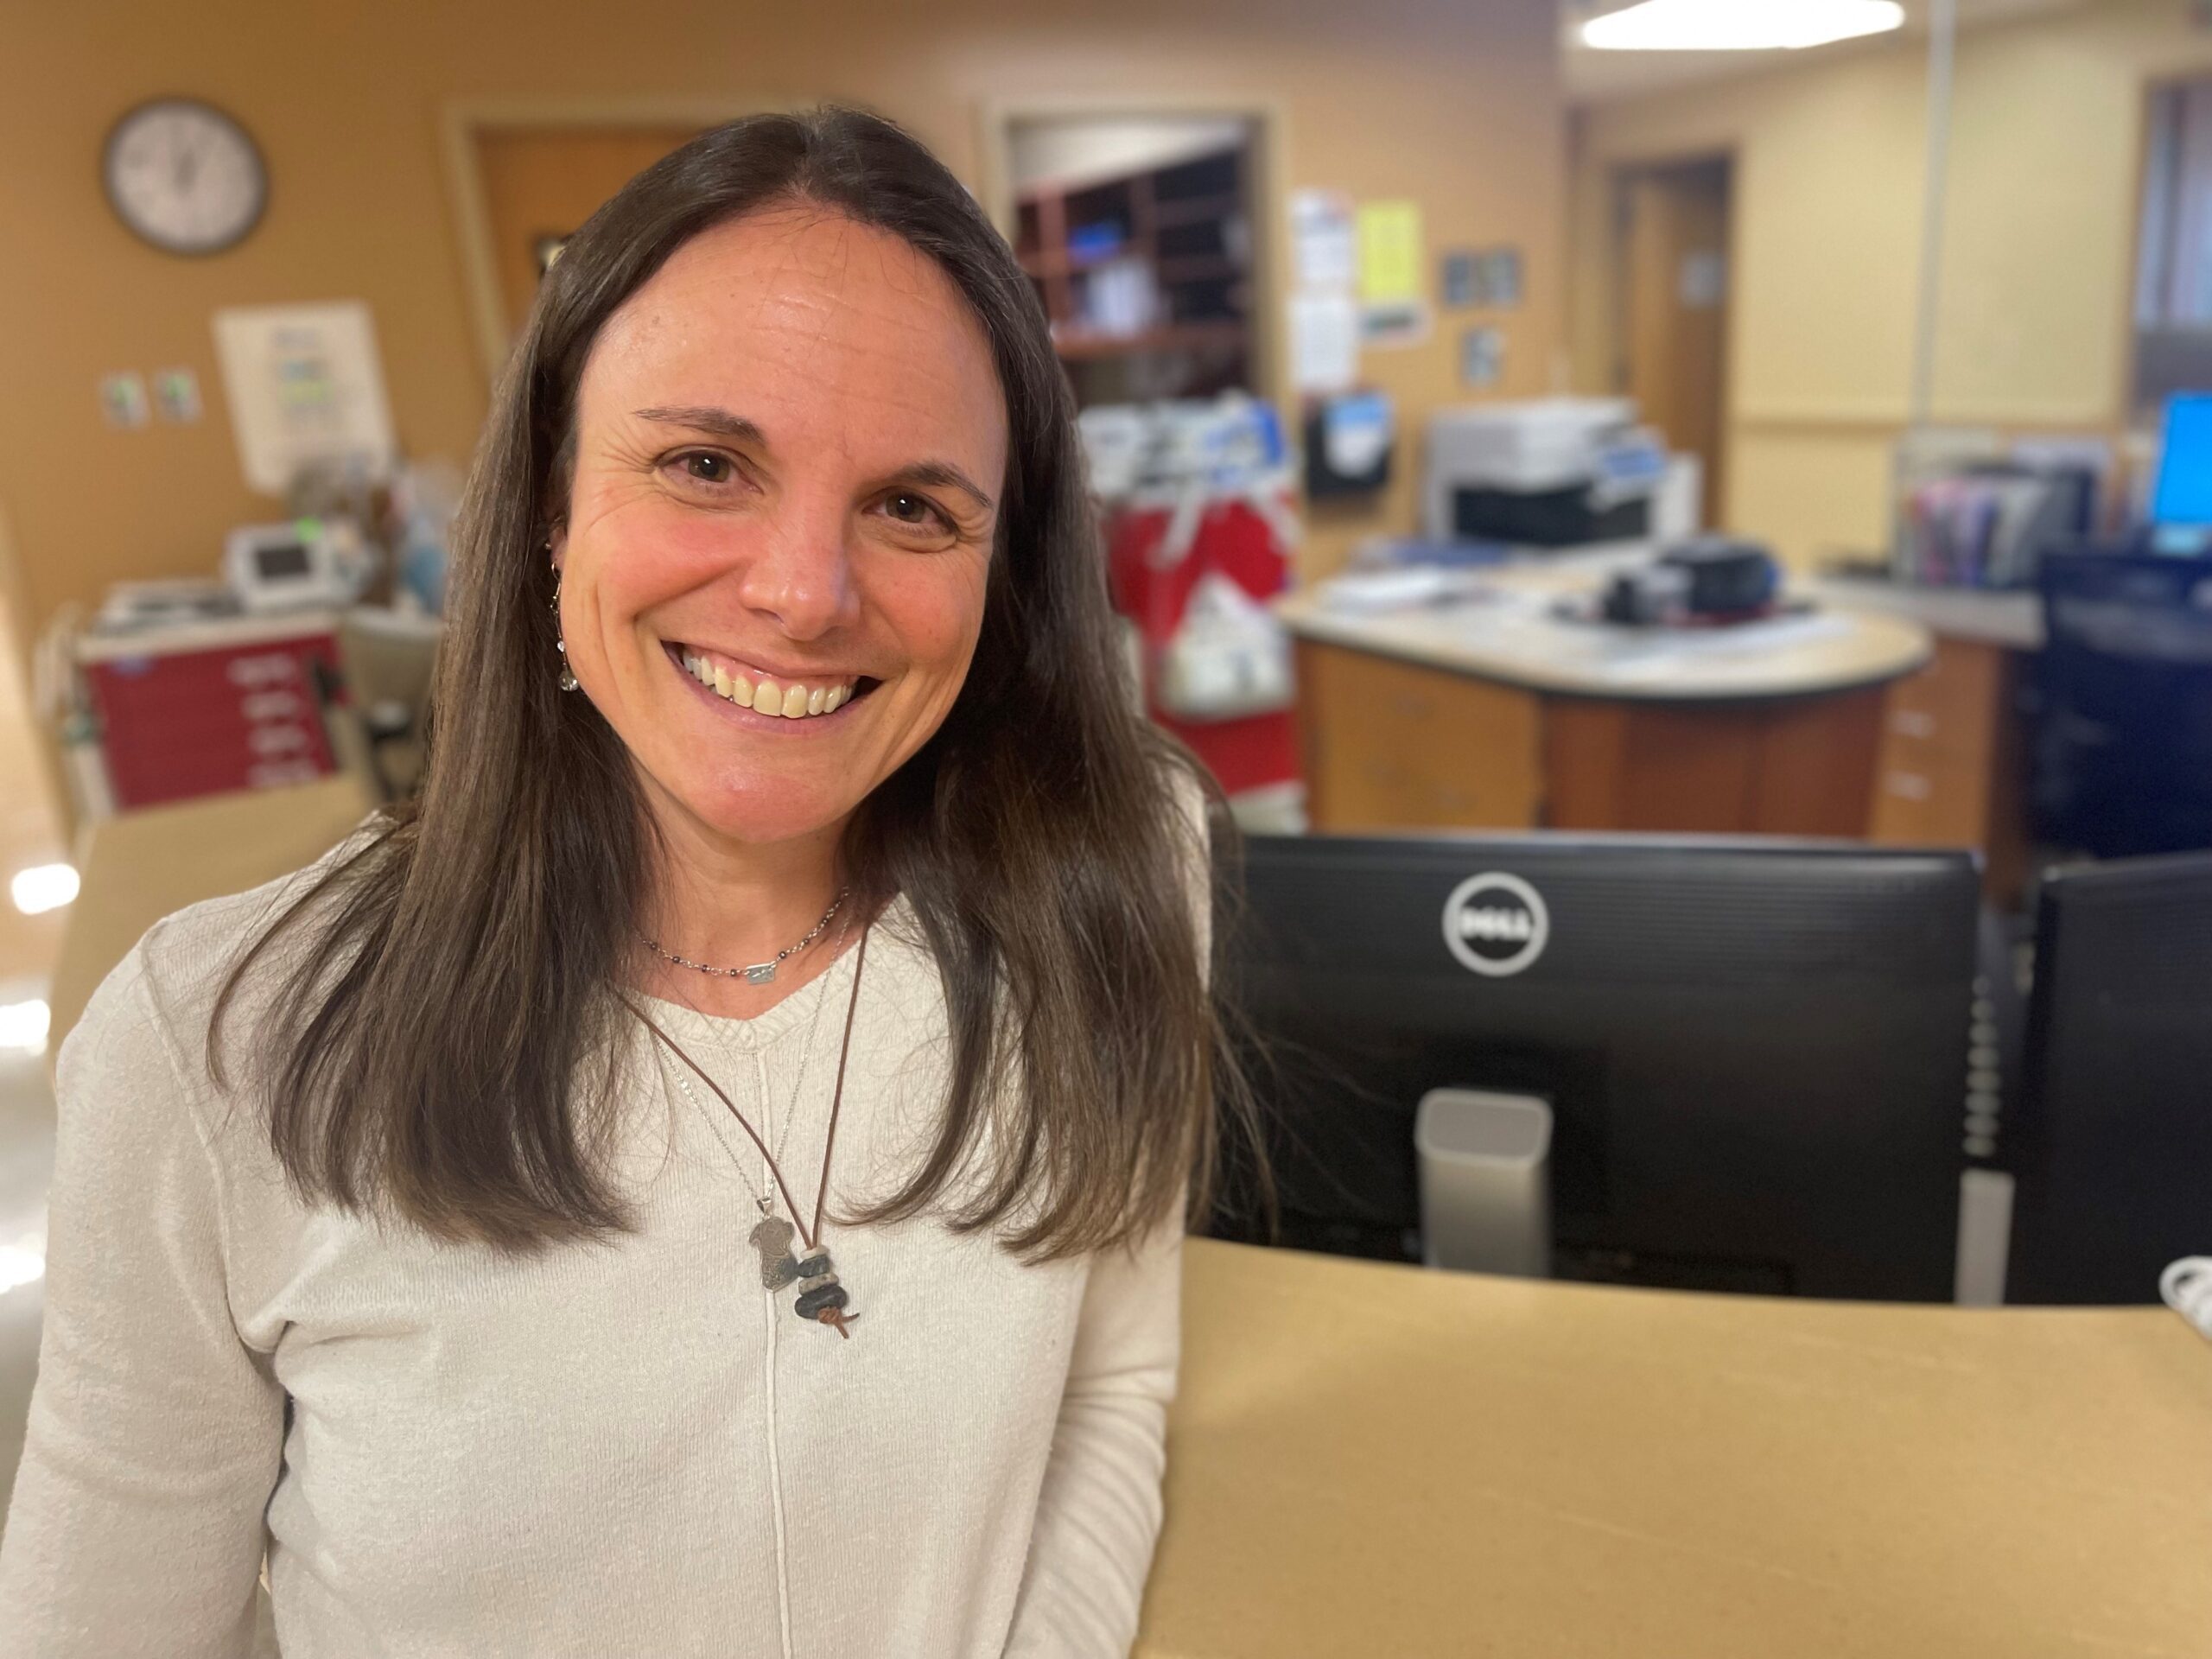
[(184, 175)]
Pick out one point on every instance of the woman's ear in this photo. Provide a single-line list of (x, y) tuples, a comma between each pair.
[(557, 544)]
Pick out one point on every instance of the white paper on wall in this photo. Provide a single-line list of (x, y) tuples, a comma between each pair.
[(306, 389), (1324, 240), (1323, 342)]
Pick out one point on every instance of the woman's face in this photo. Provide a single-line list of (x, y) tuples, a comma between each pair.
[(789, 447)]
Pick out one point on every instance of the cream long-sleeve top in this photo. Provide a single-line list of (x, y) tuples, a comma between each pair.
[(627, 1448)]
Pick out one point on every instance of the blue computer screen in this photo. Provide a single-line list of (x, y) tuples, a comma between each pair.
[(2184, 493)]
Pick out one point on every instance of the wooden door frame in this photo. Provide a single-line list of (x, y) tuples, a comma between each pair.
[(463, 120), (1270, 192), (1620, 171)]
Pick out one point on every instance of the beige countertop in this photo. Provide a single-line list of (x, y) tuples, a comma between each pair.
[(2012, 619), (1368, 1459), (139, 867), (1507, 630)]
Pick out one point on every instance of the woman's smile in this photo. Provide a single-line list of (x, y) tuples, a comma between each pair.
[(781, 700)]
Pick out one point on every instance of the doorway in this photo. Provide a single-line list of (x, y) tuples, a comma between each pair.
[(525, 176), (1673, 243), (1143, 233), (541, 183)]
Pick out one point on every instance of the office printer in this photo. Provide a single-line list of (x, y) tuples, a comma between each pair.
[(1557, 472)]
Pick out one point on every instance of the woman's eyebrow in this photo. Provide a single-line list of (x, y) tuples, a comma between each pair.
[(940, 474), (707, 418)]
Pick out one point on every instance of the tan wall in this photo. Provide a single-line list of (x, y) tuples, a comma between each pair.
[(1458, 105), (2037, 262)]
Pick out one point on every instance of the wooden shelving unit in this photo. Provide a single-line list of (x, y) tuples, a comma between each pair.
[(1147, 279)]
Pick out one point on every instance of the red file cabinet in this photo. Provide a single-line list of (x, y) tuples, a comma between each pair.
[(210, 709)]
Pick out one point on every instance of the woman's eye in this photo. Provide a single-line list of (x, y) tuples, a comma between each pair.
[(911, 511), (706, 468)]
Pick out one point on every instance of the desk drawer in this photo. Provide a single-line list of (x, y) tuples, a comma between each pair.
[(1955, 704), (1925, 796), (1392, 747)]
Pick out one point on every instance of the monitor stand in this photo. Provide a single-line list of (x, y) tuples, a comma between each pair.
[(1485, 1181)]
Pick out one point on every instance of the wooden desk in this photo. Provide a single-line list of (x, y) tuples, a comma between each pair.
[(1953, 769), (139, 867), (1376, 1460), (1496, 713)]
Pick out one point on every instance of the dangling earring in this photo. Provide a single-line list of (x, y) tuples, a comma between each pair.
[(569, 682)]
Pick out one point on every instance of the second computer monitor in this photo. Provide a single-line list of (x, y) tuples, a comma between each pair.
[(1755, 1053), (2115, 1161)]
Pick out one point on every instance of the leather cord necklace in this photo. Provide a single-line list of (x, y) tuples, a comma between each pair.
[(821, 1299), (821, 990)]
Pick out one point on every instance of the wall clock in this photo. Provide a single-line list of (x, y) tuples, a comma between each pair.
[(184, 176)]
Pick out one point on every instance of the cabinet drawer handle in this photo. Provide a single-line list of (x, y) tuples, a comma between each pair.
[(1908, 785), (1912, 722)]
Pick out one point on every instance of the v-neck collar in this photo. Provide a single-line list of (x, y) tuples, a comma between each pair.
[(750, 1034)]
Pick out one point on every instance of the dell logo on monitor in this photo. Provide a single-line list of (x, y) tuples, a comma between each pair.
[(1495, 924)]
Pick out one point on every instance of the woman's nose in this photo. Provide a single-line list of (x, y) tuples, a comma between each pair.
[(801, 572)]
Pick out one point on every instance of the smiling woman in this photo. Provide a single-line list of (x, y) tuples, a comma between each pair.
[(796, 920), (799, 518)]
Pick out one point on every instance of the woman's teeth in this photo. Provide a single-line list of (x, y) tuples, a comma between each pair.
[(767, 696)]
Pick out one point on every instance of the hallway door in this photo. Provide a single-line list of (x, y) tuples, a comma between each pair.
[(1674, 293)]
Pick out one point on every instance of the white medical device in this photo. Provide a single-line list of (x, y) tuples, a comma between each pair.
[(306, 564)]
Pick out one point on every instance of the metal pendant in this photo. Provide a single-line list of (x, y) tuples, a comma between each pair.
[(772, 1239), (760, 973)]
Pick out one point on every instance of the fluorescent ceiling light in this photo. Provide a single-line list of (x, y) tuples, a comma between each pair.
[(43, 887), (1738, 25)]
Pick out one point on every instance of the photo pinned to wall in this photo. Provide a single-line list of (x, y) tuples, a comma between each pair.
[(1482, 357), (1498, 278), (1459, 278)]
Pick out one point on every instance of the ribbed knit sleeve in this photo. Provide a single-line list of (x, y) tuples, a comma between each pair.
[(155, 1434), (1098, 1514)]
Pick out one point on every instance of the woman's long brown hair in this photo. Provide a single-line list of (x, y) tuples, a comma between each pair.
[(442, 1039)]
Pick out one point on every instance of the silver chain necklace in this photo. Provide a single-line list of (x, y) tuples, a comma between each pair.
[(766, 1202), (758, 973)]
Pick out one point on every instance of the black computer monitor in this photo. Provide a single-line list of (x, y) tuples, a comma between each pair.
[(1755, 1053), (2123, 737), (2113, 1140)]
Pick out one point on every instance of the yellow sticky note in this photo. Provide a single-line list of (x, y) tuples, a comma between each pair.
[(1389, 251)]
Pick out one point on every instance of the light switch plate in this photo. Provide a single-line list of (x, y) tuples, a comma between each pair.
[(177, 395), (123, 399)]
